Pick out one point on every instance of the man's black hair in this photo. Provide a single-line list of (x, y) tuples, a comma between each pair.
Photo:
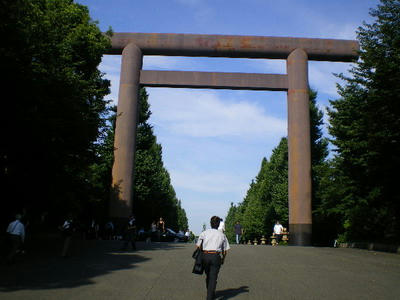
[(215, 222)]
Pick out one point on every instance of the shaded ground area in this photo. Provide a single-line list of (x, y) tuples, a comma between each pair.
[(98, 270)]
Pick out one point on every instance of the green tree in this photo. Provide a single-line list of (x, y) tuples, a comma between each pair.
[(154, 195), (364, 123), (267, 198), (230, 221), (51, 51)]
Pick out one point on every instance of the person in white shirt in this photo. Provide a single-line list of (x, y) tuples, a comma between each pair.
[(214, 244), (278, 228), (16, 233), (67, 230), (187, 235), (221, 226)]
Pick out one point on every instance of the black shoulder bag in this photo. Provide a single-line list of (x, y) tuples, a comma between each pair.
[(198, 267)]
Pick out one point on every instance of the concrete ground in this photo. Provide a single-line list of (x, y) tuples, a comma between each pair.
[(163, 271)]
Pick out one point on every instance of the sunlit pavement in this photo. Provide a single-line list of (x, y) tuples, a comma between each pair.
[(163, 271)]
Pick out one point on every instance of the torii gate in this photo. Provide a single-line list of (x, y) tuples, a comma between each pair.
[(296, 51)]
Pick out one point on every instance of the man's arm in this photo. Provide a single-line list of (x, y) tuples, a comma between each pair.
[(199, 241)]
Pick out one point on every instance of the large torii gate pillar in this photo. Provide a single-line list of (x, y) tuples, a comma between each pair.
[(296, 51), (300, 220)]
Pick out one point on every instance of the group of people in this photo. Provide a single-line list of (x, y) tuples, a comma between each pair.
[(157, 229)]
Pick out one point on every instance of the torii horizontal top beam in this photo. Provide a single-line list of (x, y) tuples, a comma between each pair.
[(172, 44), (209, 80)]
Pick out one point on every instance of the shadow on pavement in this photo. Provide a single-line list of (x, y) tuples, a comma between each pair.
[(231, 293), (42, 268)]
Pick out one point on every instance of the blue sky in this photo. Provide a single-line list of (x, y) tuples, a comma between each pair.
[(214, 140)]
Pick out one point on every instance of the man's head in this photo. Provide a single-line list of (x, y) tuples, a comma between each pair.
[(18, 217), (237, 222), (277, 222), (214, 222)]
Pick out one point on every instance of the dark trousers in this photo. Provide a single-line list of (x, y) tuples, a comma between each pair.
[(278, 237), (212, 264), (130, 238), (66, 246), (15, 244)]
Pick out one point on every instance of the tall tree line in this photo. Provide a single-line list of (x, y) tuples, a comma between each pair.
[(56, 149), (51, 119), (354, 193), (154, 194), (361, 187), (267, 198)]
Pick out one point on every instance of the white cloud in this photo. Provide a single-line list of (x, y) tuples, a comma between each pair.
[(111, 66), (321, 76), (345, 31), (203, 114), (270, 66), (161, 62), (204, 181)]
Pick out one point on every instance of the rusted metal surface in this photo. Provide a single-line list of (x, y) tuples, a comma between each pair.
[(125, 133), (299, 147), (300, 234), (207, 80), (235, 46)]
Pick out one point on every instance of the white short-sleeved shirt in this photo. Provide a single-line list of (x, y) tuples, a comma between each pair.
[(278, 229), (16, 228), (213, 240)]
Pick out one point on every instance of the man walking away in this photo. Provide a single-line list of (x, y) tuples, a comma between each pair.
[(16, 234), (214, 244), (238, 231)]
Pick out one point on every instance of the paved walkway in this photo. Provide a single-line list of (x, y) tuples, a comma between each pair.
[(163, 271)]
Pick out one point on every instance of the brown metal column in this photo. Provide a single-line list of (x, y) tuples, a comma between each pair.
[(125, 132), (300, 220)]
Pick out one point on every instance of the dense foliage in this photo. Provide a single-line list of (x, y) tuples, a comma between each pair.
[(365, 123), (354, 193), (153, 193), (267, 198), (57, 129), (51, 120)]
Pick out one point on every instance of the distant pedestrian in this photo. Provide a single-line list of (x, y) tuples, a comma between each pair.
[(221, 226), (67, 230), (187, 235), (215, 246), (109, 230), (16, 235), (130, 233), (94, 229), (161, 225), (153, 229), (160, 228), (278, 228), (238, 232)]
